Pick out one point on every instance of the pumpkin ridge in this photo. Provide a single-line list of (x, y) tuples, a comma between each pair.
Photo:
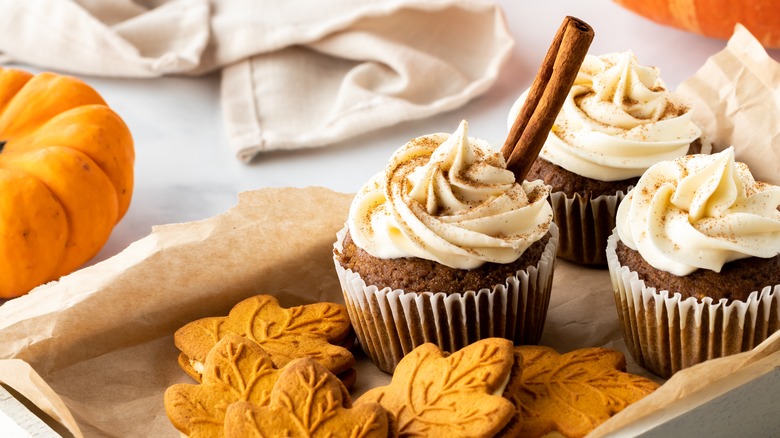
[(33, 230), (88, 206), (11, 81), (96, 131), (42, 98)]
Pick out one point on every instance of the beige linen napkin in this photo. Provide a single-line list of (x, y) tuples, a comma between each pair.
[(295, 73)]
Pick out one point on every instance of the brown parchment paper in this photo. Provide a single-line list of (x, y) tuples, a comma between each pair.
[(736, 97), (95, 350)]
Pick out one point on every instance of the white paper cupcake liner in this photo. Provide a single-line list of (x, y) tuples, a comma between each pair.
[(391, 323), (585, 224), (666, 333)]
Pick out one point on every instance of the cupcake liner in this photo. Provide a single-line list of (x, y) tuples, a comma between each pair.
[(666, 333), (585, 224), (391, 323)]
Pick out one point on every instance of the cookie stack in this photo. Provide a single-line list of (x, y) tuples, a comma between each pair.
[(264, 376), (264, 369)]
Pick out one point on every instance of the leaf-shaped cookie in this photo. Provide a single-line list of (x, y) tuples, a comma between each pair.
[(236, 369), (307, 401), (572, 393), (512, 428), (285, 334), (446, 396)]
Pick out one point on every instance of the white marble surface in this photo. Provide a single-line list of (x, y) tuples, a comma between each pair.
[(185, 171)]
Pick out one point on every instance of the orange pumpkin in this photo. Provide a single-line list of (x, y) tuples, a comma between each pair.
[(714, 18), (66, 177)]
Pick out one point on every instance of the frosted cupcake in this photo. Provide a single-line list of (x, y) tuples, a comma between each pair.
[(618, 120), (695, 262), (444, 246)]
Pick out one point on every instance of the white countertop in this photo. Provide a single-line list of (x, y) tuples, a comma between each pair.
[(184, 170)]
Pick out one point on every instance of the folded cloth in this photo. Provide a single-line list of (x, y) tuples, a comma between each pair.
[(295, 73)]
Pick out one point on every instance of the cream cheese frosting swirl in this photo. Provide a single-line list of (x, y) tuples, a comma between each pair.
[(700, 211), (617, 120), (450, 199)]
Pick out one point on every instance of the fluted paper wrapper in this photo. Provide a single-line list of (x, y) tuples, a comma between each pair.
[(666, 333), (391, 323), (585, 224), (95, 350)]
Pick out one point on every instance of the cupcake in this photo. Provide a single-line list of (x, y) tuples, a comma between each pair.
[(695, 262), (617, 121), (444, 246)]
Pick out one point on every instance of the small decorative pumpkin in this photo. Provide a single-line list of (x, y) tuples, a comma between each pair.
[(66, 177), (714, 18)]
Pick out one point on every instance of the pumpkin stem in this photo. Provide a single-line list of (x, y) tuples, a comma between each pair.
[(2, 145)]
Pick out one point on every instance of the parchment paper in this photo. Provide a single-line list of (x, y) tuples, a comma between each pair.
[(736, 97), (95, 350)]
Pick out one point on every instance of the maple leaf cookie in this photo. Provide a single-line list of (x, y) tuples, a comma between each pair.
[(458, 395), (315, 330), (572, 393), (307, 401), (236, 369)]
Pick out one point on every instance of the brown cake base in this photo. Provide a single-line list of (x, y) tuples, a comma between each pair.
[(666, 332), (584, 209), (419, 275), (571, 183), (390, 322), (734, 282)]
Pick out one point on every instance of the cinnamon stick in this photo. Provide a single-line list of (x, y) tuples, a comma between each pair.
[(547, 95)]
